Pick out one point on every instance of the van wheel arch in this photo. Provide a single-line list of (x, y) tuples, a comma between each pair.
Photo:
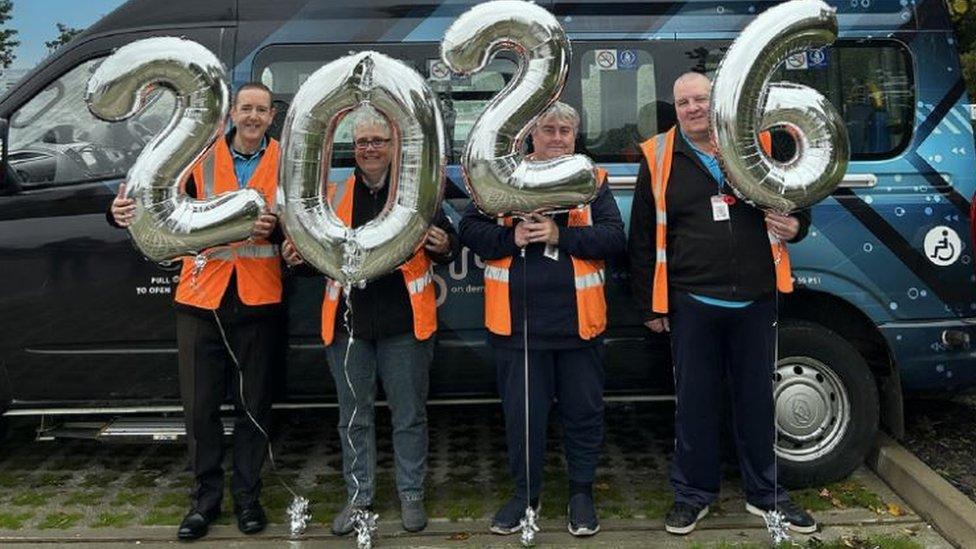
[(854, 326)]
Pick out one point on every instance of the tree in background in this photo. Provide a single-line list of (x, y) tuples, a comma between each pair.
[(7, 42), (65, 34), (964, 20)]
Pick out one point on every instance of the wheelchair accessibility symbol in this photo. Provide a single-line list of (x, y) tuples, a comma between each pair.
[(942, 246)]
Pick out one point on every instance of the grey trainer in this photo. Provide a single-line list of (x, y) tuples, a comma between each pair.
[(413, 515)]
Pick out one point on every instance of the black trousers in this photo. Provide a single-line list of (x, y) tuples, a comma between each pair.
[(574, 379), (206, 374), (709, 345)]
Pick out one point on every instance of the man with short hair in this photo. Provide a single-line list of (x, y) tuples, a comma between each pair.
[(393, 319), (228, 320), (561, 274), (704, 268)]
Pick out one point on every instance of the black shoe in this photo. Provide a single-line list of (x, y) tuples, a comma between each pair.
[(251, 518), (508, 519), (798, 519), (582, 516), (196, 523), (683, 517)]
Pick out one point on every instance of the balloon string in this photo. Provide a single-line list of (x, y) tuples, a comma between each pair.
[(247, 409), (528, 523), (347, 320), (525, 348)]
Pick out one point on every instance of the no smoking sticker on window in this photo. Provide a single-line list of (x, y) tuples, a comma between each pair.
[(606, 60), (942, 246)]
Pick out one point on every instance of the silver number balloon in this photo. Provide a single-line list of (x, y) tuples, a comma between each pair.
[(355, 256), (744, 102), (498, 178), (167, 222)]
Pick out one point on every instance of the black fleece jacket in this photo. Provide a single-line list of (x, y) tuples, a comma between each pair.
[(728, 260), (549, 285), (382, 309)]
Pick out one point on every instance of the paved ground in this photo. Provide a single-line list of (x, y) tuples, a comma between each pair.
[(116, 493)]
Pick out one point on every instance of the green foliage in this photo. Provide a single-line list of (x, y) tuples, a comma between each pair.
[(7, 42), (65, 34), (963, 15)]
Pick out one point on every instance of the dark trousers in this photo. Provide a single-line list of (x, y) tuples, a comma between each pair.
[(709, 343), (574, 378), (206, 374)]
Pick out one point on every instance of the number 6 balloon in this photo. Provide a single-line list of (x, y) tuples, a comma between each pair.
[(167, 222), (499, 180), (355, 256), (743, 102)]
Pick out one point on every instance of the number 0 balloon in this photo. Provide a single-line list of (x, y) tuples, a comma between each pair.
[(354, 256), (167, 222), (744, 102)]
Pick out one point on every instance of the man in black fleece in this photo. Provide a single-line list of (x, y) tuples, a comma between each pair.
[(558, 283), (715, 293)]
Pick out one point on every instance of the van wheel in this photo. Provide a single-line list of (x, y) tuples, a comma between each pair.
[(826, 405)]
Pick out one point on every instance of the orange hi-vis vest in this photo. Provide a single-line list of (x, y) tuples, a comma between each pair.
[(256, 262), (416, 272), (659, 151), (591, 305)]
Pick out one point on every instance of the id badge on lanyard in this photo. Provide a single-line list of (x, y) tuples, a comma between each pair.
[(720, 206)]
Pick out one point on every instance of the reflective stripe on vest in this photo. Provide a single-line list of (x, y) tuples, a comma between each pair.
[(247, 249), (658, 153), (256, 263), (588, 278), (416, 275)]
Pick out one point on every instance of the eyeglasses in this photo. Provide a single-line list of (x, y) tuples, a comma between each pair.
[(363, 144)]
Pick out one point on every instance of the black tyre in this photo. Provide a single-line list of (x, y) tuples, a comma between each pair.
[(826, 405)]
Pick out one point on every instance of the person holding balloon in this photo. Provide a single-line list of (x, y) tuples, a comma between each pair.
[(704, 269), (228, 311), (393, 320), (548, 271)]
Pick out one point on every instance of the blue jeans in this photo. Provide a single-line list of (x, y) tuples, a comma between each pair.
[(402, 365)]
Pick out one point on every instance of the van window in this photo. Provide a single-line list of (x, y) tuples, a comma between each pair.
[(54, 139), (284, 68), (869, 82), (619, 108)]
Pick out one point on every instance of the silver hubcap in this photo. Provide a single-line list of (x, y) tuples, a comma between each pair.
[(812, 408)]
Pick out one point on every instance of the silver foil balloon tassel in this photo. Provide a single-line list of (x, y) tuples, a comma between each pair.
[(199, 262), (777, 526), (365, 523), (298, 516), (529, 527)]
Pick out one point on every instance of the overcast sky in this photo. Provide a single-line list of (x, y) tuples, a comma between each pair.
[(36, 23)]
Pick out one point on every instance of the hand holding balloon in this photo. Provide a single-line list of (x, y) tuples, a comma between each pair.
[(783, 227), (290, 254), (123, 208), (437, 241), (542, 229), (264, 226)]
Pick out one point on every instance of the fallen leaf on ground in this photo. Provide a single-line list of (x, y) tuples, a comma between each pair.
[(460, 536), (895, 510)]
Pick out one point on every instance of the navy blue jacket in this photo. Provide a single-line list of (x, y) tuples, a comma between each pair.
[(549, 284)]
